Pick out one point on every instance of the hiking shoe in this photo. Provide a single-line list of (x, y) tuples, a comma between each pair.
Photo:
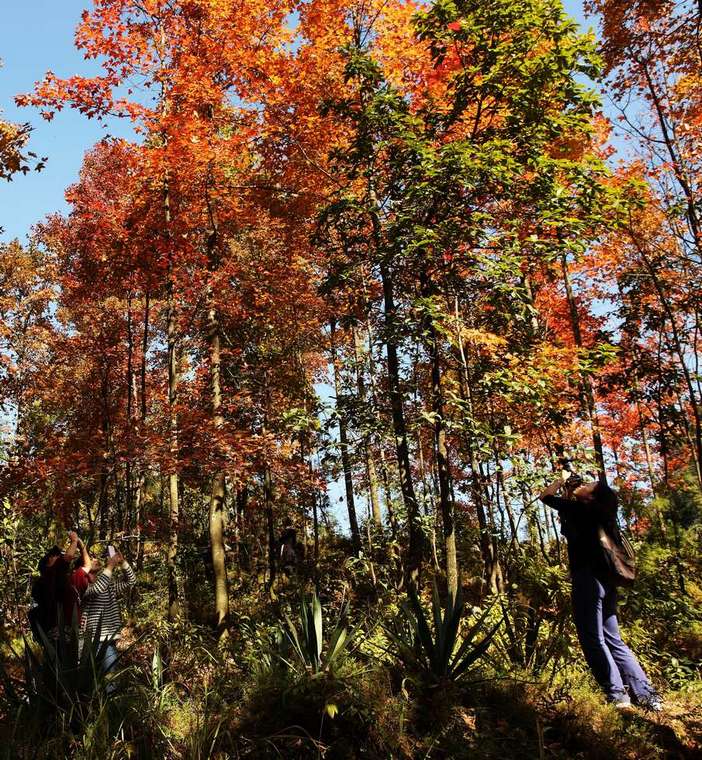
[(653, 703), (622, 703)]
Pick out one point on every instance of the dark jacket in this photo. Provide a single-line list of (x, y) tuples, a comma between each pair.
[(51, 591), (580, 523)]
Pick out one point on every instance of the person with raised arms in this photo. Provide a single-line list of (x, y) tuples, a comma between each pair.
[(101, 612), (588, 513)]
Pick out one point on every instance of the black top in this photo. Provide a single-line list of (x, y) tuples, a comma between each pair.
[(50, 590), (579, 524)]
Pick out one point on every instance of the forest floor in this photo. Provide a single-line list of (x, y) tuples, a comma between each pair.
[(494, 720), (181, 694)]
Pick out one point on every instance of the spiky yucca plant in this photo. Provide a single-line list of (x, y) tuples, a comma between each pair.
[(65, 676), (304, 646), (442, 654)]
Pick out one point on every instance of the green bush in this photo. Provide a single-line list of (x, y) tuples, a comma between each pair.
[(441, 655), (301, 646)]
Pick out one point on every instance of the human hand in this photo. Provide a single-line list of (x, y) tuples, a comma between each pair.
[(73, 537), (115, 560)]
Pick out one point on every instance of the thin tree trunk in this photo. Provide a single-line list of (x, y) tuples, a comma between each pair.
[(268, 508), (387, 491), (384, 477), (129, 492), (417, 542), (488, 549), (217, 515), (141, 495), (506, 500), (442, 465), (370, 464), (173, 494), (102, 503), (585, 381), (344, 445), (428, 499)]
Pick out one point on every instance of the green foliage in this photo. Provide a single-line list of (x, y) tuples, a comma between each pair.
[(64, 677), (528, 639), (22, 543), (303, 647), (442, 654)]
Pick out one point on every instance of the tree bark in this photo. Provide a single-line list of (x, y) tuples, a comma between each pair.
[(367, 452), (217, 515), (344, 446), (488, 546), (384, 477), (141, 495), (268, 508), (417, 541), (174, 504), (585, 381), (442, 464)]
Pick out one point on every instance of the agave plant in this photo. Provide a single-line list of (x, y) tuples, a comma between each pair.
[(529, 640), (304, 646), (66, 675), (442, 655)]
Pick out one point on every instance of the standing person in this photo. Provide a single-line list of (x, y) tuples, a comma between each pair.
[(584, 509), (52, 592), (291, 552), (80, 580), (100, 607)]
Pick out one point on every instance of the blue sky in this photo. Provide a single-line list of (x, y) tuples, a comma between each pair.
[(37, 35)]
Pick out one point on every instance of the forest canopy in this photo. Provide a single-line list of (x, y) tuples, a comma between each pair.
[(366, 278)]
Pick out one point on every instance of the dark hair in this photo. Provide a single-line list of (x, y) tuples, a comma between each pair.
[(55, 551), (288, 535), (605, 495)]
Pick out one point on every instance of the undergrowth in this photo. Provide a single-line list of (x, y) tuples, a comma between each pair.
[(350, 676)]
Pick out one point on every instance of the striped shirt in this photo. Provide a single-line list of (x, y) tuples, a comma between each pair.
[(100, 606)]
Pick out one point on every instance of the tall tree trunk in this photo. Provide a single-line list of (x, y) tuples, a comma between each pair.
[(428, 499), (367, 452), (488, 545), (388, 493), (141, 495), (585, 381), (217, 516), (173, 493), (344, 445), (106, 524), (128, 485), (217, 513), (268, 508), (503, 489), (384, 476), (417, 541), (103, 516), (442, 465)]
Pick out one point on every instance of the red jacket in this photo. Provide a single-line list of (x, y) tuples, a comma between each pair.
[(78, 584)]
